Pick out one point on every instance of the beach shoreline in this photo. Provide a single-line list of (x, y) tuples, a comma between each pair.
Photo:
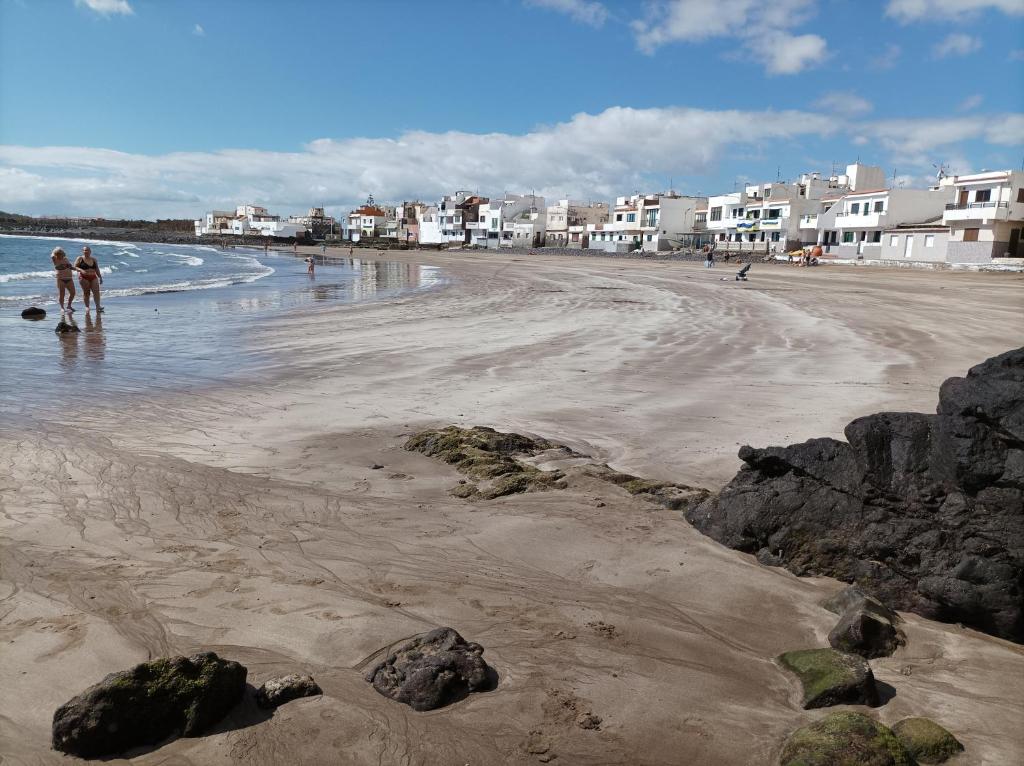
[(250, 519)]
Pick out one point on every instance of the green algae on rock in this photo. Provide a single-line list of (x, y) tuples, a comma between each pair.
[(147, 704), (926, 741), (832, 678), (664, 493), (489, 456), (844, 738)]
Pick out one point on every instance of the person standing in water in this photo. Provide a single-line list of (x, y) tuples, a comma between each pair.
[(65, 277), (311, 267), (89, 277)]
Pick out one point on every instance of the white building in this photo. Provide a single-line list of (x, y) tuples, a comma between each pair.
[(925, 242), (495, 224), (853, 226), (782, 215), (565, 214), (985, 216), (646, 222), (248, 220), (447, 224), (367, 221)]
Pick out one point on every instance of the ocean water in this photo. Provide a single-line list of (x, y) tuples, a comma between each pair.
[(26, 272), (175, 318)]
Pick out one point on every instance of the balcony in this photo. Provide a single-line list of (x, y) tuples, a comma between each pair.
[(967, 211), (859, 220), (809, 221)]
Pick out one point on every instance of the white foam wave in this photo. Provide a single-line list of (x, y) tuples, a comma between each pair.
[(180, 287), (25, 275)]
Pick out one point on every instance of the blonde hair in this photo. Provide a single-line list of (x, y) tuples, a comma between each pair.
[(58, 251)]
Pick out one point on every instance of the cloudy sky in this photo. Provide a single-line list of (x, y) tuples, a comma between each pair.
[(146, 108)]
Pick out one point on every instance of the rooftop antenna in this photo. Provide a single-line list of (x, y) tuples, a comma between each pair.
[(941, 170)]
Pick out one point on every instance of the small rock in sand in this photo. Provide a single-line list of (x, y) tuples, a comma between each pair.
[(278, 691)]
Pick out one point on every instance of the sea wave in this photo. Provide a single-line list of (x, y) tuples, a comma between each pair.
[(25, 275)]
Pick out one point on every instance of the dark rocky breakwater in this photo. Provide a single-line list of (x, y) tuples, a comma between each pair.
[(925, 511)]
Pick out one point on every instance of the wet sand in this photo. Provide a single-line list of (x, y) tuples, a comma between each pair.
[(247, 519)]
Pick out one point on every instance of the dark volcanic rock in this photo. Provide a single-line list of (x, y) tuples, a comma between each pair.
[(832, 678), (926, 511), (147, 704), (278, 691), (864, 632), (855, 597), (33, 312), (432, 670), (63, 327), (844, 738)]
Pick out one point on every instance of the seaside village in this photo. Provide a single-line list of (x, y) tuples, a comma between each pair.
[(974, 219)]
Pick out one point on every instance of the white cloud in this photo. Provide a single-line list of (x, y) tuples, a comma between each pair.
[(888, 58), (970, 103), (597, 156), (956, 44), (917, 141), (588, 12), (765, 29), (844, 103), (107, 7), (198, 30), (929, 10)]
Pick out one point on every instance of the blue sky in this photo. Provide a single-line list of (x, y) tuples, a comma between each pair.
[(147, 108)]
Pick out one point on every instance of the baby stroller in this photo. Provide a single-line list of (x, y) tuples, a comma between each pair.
[(741, 275)]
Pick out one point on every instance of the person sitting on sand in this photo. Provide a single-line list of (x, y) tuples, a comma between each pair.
[(89, 277), (65, 277)]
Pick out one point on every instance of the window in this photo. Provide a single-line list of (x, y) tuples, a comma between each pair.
[(929, 240), (855, 208), (983, 195), (775, 236), (630, 217), (893, 240), (876, 236), (1020, 195), (879, 206), (649, 238), (721, 237), (716, 214), (847, 237), (971, 235), (618, 217), (775, 213), (703, 217)]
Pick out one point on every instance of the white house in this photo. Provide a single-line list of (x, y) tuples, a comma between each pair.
[(853, 226), (924, 242), (495, 220), (447, 222), (985, 216), (248, 220), (367, 221), (646, 222)]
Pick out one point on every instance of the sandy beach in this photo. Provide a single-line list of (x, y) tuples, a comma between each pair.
[(250, 518)]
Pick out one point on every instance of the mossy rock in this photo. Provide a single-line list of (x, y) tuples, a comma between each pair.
[(926, 741), (845, 738), (148, 704), (664, 493), (832, 678)]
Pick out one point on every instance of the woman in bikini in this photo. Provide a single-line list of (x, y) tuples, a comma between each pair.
[(65, 277), (89, 277)]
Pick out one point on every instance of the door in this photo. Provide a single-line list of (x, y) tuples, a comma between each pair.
[(1014, 243), (963, 198), (909, 248)]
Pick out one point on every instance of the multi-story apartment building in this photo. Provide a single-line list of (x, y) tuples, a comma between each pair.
[(448, 223), (408, 216), (646, 222), (782, 215), (985, 216), (319, 224), (367, 221), (565, 214), (854, 225), (495, 219)]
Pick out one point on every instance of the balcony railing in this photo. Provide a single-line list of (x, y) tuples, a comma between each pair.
[(975, 205)]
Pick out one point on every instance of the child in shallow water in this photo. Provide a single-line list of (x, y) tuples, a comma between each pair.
[(65, 277)]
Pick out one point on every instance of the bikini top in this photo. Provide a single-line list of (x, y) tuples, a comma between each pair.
[(64, 266), (80, 263)]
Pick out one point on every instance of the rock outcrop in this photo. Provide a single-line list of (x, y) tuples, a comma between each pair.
[(33, 312), (65, 327), (926, 741), (432, 670), (844, 738), (148, 704), (865, 632), (831, 678), (277, 691), (925, 511)]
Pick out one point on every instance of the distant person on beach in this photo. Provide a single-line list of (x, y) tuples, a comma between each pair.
[(89, 277), (323, 249), (351, 250), (295, 248), (310, 266), (65, 277)]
